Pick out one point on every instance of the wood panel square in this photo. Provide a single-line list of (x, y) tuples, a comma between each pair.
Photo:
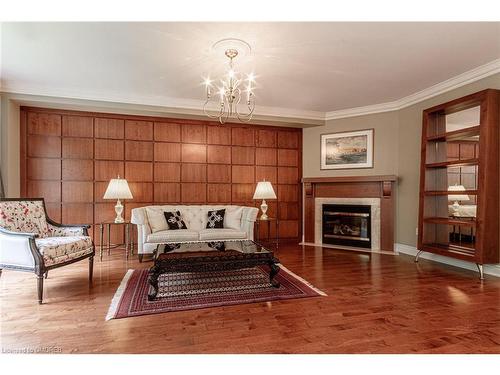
[(193, 193), (288, 210), (44, 147), (288, 139), (219, 154), (288, 158), (44, 169), (49, 190), (109, 149), (194, 153), (167, 152), (77, 192), (289, 229), (243, 137), (140, 151), (266, 138), (139, 130), (109, 128), (54, 211), (99, 190), (288, 175), (288, 193), (141, 191), (242, 192), (77, 148), (265, 156), (78, 126), (105, 170), (218, 135), (266, 173), (243, 155), (77, 170), (218, 173), (243, 174), (192, 133), (167, 132), (44, 124), (219, 193), (194, 173), (78, 213), (167, 193), (138, 171), (167, 172)]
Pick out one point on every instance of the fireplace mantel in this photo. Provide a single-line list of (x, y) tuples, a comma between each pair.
[(381, 187)]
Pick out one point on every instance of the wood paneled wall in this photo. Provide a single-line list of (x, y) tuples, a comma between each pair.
[(68, 157)]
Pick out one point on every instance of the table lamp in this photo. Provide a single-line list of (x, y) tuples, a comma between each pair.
[(264, 190), (457, 197), (118, 189)]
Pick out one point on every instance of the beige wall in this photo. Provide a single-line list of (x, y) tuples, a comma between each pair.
[(397, 151), (385, 148)]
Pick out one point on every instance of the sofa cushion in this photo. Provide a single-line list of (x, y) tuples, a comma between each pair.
[(156, 219), (222, 234), (174, 220), (24, 216), (232, 219), (62, 249), (179, 235), (215, 219)]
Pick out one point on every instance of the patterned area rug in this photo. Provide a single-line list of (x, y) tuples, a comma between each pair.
[(188, 291)]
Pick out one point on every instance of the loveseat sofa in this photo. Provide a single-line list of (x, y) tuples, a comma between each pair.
[(152, 228)]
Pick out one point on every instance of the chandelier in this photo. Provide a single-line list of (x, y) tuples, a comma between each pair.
[(232, 91)]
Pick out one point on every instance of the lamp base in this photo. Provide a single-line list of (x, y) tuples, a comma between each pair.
[(263, 208), (119, 211)]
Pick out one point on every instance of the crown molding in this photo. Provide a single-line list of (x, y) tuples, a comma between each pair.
[(483, 71), (193, 107)]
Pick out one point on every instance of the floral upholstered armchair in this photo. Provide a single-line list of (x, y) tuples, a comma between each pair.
[(30, 241)]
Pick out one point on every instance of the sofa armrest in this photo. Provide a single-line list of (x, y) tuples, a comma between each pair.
[(18, 250), (248, 217)]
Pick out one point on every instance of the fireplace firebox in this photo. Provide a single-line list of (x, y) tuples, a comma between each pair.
[(347, 225)]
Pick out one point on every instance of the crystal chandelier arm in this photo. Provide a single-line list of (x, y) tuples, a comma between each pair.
[(245, 117), (221, 110)]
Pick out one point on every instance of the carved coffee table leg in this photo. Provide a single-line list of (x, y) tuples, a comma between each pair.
[(154, 274), (274, 271)]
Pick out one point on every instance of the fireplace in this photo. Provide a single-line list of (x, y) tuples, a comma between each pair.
[(347, 225)]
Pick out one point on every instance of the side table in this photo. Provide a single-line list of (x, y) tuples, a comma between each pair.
[(129, 242), (268, 221)]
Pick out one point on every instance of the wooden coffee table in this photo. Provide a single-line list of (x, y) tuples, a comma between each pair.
[(209, 256)]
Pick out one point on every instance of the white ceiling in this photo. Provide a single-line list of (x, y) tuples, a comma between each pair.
[(318, 67)]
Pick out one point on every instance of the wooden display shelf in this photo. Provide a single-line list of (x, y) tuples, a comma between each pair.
[(446, 192), (453, 163), (455, 135), (450, 221)]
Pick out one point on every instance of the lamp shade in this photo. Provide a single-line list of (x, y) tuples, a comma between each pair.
[(457, 197), (118, 189), (264, 190)]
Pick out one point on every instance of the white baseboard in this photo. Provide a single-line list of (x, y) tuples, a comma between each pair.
[(490, 269)]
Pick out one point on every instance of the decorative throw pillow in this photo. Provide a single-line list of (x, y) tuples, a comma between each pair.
[(216, 219), (174, 220)]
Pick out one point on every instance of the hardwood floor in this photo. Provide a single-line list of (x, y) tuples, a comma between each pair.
[(375, 304)]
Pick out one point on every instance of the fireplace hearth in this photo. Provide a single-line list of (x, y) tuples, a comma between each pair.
[(347, 225)]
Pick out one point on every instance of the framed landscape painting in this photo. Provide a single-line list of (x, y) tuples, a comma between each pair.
[(347, 150)]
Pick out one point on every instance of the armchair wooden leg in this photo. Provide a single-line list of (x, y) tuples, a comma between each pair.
[(40, 288), (46, 274), (91, 268), (140, 257)]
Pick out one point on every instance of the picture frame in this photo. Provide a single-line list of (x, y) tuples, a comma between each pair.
[(347, 150)]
